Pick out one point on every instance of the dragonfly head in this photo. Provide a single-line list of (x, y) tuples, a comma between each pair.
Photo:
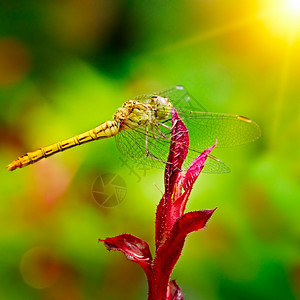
[(163, 106)]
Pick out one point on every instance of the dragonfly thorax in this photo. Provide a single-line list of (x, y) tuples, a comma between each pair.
[(132, 114)]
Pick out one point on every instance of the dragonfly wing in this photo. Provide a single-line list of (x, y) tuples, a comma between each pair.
[(230, 130), (132, 144), (143, 97), (204, 129), (179, 97), (215, 166), (212, 165)]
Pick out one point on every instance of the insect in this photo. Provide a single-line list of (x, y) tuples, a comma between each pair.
[(142, 130)]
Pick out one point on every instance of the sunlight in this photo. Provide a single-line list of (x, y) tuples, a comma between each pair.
[(293, 7), (280, 17), (283, 22), (211, 33), (283, 19)]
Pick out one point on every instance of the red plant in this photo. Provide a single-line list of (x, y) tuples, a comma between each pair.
[(172, 224)]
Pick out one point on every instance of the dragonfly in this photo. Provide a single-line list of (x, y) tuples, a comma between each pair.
[(142, 128)]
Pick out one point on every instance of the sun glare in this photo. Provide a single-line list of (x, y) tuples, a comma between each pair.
[(282, 17), (293, 6)]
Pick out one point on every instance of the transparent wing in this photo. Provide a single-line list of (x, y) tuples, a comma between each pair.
[(179, 97), (230, 130), (204, 129), (132, 144)]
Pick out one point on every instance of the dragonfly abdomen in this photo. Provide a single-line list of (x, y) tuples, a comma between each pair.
[(104, 130)]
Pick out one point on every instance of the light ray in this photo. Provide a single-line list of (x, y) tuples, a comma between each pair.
[(264, 14), (207, 35), (282, 87)]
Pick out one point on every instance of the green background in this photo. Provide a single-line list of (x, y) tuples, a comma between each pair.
[(66, 66)]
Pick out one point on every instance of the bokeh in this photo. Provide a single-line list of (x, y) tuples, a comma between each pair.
[(68, 65)]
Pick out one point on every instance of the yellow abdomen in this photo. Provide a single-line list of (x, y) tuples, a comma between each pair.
[(104, 130)]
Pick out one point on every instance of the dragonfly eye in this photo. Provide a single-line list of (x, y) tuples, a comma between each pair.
[(154, 99)]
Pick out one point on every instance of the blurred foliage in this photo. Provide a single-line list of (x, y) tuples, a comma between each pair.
[(66, 66)]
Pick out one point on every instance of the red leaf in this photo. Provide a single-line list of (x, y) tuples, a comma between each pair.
[(174, 291), (172, 205), (168, 253), (172, 225), (173, 179), (195, 168), (134, 249), (178, 152), (162, 220), (180, 203)]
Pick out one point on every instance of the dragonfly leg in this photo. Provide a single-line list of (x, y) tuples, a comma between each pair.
[(160, 132), (168, 127), (147, 152), (164, 125), (146, 140), (153, 132), (178, 132), (167, 120)]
